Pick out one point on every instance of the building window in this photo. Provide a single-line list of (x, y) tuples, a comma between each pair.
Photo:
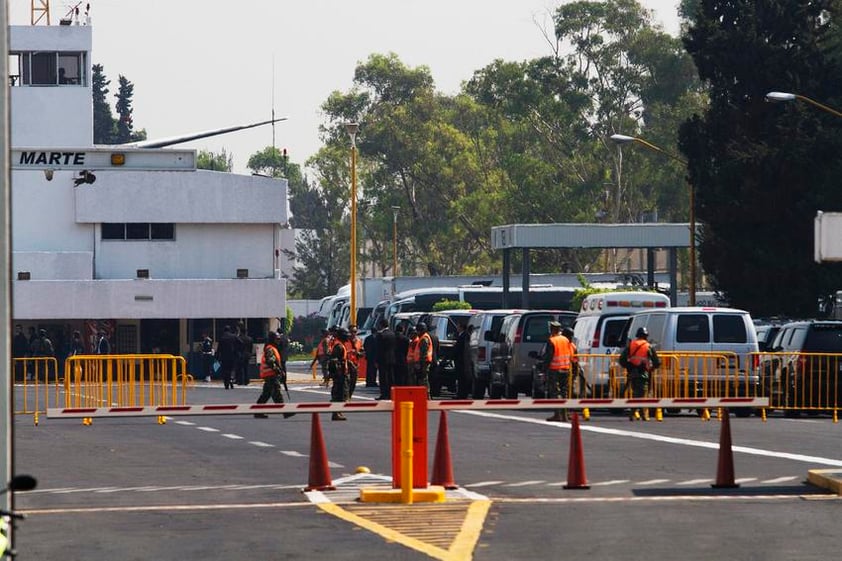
[(47, 68), (138, 231)]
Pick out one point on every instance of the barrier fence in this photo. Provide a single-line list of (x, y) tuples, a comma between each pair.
[(101, 381)]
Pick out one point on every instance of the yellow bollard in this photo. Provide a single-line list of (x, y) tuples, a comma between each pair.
[(835, 415), (586, 414), (718, 413), (763, 414), (659, 415), (705, 414), (406, 453)]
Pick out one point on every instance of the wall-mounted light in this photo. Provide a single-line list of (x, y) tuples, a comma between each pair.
[(242, 273), (23, 275), (143, 273), (48, 173)]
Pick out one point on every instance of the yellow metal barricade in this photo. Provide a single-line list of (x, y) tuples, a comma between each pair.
[(810, 382), (39, 385), (125, 380)]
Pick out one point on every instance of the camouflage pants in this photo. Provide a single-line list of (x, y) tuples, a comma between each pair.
[(341, 389), (271, 388), (557, 383), (638, 381)]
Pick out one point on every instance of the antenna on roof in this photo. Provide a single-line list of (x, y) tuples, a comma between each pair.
[(273, 103)]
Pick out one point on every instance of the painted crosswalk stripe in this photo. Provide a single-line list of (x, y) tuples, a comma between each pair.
[(610, 482), (653, 482), (525, 483), (781, 479)]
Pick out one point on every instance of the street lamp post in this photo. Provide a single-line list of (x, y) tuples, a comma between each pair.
[(395, 210), (623, 139), (785, 96), (352, 129)]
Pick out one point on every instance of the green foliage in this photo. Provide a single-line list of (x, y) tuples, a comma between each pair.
[(308, 330), (223, 161), (761, 171), (270, 161), (443, 305), (107, 129)]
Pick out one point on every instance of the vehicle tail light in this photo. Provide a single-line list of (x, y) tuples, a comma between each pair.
[(802, 364), (755, 361), (518, 334), (481, 354), (596, 335)]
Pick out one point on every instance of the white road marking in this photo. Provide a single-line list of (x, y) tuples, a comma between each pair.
[(262, 444), (293, 453), (653, 482), (232, 436), (695, 481), (782, 479), (484, 484), (185, 423), (668, 439), (525, 483), (610, 482), (208, 429), (745, 480)]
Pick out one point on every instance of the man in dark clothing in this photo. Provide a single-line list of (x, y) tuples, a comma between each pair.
[(103, 347), (463, 377), (384, 346), (401, 348), (227, 355), (283, 346), (272, 374), (245, 351), (20, 348), (371, 363)]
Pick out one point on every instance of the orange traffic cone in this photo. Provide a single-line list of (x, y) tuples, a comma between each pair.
[(442, 468), (725, 466), (319, 472), (576, 478)]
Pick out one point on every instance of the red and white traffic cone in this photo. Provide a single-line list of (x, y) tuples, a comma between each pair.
[(319, 479), (576, 478), (442, 467)]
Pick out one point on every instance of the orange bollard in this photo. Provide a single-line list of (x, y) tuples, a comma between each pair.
[(319, 479), (725, 465), (442, 467), (576, 478)]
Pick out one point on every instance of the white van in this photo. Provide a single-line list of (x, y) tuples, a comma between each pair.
[(701, 329), (599, 327)]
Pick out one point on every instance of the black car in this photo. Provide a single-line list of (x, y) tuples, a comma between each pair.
[(803, 368)]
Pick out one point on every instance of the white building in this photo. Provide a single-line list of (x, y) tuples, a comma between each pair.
[(154, 251)]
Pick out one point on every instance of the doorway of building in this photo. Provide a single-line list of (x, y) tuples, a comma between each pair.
[(159, 336)]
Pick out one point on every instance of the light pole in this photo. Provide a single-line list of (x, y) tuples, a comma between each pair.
[(623, 139), (352, 129), (785, 96), (395, 210)]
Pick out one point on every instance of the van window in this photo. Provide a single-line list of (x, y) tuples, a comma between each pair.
[(729, 328), (537, 330), (611, 331), (692, 328), (656, 328), (824, 339)]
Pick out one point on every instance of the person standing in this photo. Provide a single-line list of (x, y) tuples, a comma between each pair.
[(272, 374), (639, 359), (401, 352), (103, 347), (76, 346), (385, 357), (463, 377), (48, 351), (425, 356), (227, 355), (283, 345), (355, 351), (339, 371), (322, 354), (557, 355), (371, 365), (246, 350), (20, 350), (412, 358)]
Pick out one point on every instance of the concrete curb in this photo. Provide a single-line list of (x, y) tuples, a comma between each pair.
[(830, 479)]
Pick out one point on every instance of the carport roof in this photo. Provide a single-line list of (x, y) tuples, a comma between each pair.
[(591, 235)]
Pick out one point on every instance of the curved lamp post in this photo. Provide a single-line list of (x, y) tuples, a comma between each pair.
[(395, 210), (352, 129), (786, 96), (623, 139)]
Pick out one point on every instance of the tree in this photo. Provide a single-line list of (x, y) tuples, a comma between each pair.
[(761, 171), (222, 161), (270, 161), (103, 120), (125, 124)]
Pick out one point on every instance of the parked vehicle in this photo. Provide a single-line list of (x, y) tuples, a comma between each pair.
[(520, 333), (766, 333), (804, 366), (599, 327), (442, 326), (486, 329), (726, 335)]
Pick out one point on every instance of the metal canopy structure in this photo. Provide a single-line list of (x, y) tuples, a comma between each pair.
[(649, 236)]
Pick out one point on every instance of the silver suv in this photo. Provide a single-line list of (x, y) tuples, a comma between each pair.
[(485, 330)]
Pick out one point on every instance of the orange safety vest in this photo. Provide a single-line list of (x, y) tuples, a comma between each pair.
[(639, 353), (267, 371), (413, 354), (561, 352), (428, 358), (352, 348), (324, 347)]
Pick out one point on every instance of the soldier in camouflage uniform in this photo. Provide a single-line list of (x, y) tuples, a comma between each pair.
[(339, 372)]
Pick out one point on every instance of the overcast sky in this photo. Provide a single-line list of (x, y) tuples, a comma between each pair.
[(204, 64)]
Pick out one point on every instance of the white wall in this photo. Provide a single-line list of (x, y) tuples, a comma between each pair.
[(53, 265)]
